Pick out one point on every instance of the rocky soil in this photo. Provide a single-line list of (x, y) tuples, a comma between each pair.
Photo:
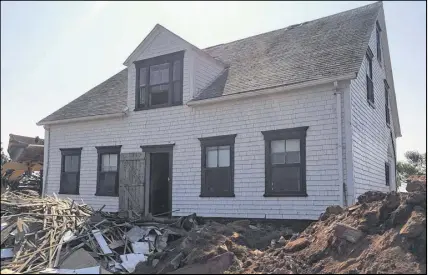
[(381, 233)]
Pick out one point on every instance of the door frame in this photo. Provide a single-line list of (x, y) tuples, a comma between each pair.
[(149, 149)]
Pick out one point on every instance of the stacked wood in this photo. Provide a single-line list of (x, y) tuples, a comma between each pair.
[(41, 233)]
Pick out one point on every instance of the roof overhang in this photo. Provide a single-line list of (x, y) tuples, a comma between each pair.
[(87, 118), (271, 90)]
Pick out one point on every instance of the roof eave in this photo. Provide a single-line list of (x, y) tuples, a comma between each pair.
[(78, 119), (271, 90)]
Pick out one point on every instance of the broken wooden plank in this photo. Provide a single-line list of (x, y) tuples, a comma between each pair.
[(101, 241)]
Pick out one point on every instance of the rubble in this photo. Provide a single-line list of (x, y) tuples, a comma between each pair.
[(383, 232), (52, 235)]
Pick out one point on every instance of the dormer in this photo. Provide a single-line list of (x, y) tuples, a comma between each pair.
[(165, 70)]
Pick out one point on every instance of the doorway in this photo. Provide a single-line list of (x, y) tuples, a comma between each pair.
[(159, 179), (159, 183)]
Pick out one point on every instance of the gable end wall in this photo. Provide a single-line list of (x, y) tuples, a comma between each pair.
[(370, 134)]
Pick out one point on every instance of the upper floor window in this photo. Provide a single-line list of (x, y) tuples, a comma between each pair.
[(369, 77), (285, 162), (70, 171), (108, 171), (387, 173), (159, 81), (217, 166), (387, 112), (378, 42)]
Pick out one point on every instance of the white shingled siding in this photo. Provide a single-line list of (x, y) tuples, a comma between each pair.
[(183, 125), (370, 135)]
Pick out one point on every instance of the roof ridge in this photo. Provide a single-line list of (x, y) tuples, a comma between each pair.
[(297, 24)]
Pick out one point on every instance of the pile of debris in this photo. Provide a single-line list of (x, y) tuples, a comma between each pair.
[(15, 181), (382, 233), (52, 235)]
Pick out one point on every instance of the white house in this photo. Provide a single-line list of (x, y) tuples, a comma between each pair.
[(279, 125)]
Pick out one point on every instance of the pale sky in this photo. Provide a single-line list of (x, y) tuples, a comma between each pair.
[(52, 52)]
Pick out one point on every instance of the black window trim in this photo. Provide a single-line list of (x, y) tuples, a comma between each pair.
[(70, 152), (379, 43), (107, 150), (225, 140), (369, 79), (387, 173), (387, 107), (283, 134), (146, 63)]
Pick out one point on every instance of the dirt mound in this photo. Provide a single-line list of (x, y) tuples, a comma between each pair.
[(208, 241), (382, 233)]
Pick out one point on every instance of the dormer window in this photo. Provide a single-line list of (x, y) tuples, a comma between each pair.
[(159, 81)]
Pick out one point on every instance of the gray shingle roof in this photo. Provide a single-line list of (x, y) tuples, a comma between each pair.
[(323, 48), (108, 97)]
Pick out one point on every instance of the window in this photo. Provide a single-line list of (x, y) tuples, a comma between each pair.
[(108, 171), (285, 162), (70, 171), (378, 43), (387, 115), (369, 78), (159, 81), (387, 173), (217, 166)]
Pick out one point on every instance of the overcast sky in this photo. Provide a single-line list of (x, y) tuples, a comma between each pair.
[(52, 52)]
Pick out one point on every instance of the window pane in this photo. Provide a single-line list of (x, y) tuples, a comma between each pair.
[(278, 158), (292, 157), (107, 183), (142, 95), (68, 183), (285, 179), (143, 76), (176, 73), (218, 181), (224, 156), (292, 146), (109, 162), (159, 74), (278, 146), (277, 151), (369, 67), (113, 162), (386, 97), (159, 95), (105, 162), (176, 95), (67, 164), (71, 163), (211, 153), (75, 163)]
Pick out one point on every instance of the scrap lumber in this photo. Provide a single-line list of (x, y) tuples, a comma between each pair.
[(41, 235)]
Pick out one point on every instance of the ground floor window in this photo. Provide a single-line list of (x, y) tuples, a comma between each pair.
[(217, 166), (108, 171), (70, 171), (285, 162)]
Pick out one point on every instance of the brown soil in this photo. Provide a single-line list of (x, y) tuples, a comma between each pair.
[(390, 231)]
